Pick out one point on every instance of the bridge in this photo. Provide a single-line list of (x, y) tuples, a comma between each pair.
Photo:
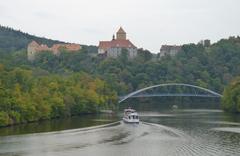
[(171, 90)]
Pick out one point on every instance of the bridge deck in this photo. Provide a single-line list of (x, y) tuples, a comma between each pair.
[(170, 95)]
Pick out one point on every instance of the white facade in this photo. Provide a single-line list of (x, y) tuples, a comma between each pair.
[(116, 52)]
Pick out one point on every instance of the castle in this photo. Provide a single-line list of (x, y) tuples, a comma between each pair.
[(114, 47), (34, 48)]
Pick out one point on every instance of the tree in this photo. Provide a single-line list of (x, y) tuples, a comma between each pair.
[(231, 97), (124, 56), (144, 55), (4, 119)]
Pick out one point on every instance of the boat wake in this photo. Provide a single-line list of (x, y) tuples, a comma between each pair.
[(118, 138)]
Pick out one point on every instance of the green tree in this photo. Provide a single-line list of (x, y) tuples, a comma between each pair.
[(4, 119), (231, 97)]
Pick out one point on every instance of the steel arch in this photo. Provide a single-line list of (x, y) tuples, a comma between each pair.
[(169, 84)]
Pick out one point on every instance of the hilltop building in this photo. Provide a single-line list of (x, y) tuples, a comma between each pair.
[(34, 48), (205, 43), (114, 47), (170, 50)]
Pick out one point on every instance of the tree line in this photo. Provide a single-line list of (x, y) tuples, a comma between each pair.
[(27, 95), (210, 67), (60, 80)]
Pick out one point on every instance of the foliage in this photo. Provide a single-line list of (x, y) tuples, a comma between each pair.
[(26, 98), (212, 67), (231, 97), (81, 82)]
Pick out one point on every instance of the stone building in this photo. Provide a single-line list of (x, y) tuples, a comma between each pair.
[(170, 50), (205, 43), (114, 47), (34, 48)]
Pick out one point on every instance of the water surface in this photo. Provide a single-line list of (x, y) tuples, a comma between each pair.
[(182, 132)]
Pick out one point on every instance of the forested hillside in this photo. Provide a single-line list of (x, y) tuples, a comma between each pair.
[(74, 83), (11, 40), (211, 67)]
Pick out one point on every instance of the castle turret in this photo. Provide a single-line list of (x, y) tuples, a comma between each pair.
[(121, 34), (31, 50)]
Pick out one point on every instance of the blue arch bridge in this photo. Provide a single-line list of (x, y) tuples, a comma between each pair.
[(172, 90)]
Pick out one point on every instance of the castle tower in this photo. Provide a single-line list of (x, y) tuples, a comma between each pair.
[(121, 34), (32, 50)]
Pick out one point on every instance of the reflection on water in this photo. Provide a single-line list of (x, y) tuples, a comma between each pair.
[(161, 133), (59, 124), (203, 126)]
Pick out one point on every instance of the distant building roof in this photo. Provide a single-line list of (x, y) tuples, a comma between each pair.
[(68, 47), (116, 43), (55, 48), (33, 43), (170, 47)]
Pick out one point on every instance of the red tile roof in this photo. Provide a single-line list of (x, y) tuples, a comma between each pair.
[(116, 44)]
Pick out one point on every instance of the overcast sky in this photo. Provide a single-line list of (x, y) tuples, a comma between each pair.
[(149, 23)]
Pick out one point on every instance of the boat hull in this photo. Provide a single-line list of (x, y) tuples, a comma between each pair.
[(130, 120)]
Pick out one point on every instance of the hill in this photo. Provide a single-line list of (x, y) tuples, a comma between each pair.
[(12, 40), (212, 67)]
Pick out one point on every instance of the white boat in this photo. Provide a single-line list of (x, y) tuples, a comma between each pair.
[(130, 116)]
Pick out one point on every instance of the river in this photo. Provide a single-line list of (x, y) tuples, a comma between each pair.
[(165, 132)]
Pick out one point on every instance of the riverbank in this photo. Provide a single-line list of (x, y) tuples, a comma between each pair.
[(58, 124)]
